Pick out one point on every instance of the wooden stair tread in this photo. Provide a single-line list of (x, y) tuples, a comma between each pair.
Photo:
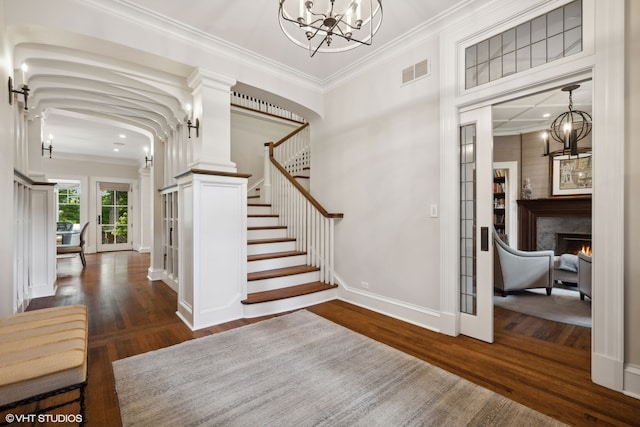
[(278, 240), (260, 257), (281, 272), (262, 216), (290, 292), (262, 205), (269, 227)]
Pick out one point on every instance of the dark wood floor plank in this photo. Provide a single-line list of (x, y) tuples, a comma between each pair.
[(541, 364)]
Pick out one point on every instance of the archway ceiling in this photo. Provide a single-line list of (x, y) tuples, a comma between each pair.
[(97, 106)]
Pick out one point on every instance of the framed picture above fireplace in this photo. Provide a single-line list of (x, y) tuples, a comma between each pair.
[(571, 175)]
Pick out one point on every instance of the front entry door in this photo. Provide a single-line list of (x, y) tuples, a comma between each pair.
[(476, 228), (114, 228)]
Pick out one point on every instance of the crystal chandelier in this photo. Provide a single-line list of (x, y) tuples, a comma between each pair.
[(330, 25), (569, 127)]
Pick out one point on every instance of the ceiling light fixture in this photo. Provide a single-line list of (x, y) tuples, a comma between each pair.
[(569, 127), (330, 25)]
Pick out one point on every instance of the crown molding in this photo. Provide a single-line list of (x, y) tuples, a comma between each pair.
[(129, 11)]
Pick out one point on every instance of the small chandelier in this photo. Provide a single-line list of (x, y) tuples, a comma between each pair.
[(330, 25), (569, 127)]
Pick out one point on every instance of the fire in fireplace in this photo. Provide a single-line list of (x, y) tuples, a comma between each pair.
[(572, 243)]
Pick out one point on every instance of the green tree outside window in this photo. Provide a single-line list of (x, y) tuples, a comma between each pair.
[(69, 205)]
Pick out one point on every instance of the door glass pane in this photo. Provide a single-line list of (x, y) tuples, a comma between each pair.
[(467, 220), (114, 216)]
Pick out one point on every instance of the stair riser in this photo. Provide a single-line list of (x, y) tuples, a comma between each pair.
[(272, 264), (278, 233), (262, 221), (282, 282), (288, 304), (268, 248), (258, 210)]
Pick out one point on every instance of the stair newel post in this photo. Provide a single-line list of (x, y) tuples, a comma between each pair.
[(265, 194)]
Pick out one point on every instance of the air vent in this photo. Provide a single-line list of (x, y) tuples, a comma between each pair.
[(416, 71), (407, 75)]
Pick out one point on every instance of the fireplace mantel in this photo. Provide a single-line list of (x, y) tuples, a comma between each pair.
[(530, 210)]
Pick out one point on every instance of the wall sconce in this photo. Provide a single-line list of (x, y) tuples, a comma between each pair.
[(190, 124), (24, 91), (49, 148), (196, 127), (148, 159)]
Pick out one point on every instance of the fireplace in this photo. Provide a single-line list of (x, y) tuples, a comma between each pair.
[(571, 243), (571, 210)]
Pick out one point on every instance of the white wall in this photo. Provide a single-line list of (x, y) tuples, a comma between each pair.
[(375, 158), (249, 133)]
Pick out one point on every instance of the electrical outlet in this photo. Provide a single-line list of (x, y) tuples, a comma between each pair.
[(365, 285)]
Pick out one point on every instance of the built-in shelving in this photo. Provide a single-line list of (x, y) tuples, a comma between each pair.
[(170, 236), (500, 202)]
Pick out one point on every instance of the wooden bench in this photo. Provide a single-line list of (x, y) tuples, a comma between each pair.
[(43, 353)]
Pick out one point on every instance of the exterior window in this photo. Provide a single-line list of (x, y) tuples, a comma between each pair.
[(544, 39), (69, 204)]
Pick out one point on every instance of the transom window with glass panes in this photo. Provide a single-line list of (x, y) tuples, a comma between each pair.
[(544, 39)]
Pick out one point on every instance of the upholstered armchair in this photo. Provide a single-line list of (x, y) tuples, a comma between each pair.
[(73, 249), (516, 270), (584, 275)]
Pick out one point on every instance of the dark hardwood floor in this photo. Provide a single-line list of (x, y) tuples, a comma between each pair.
[(539, 363)]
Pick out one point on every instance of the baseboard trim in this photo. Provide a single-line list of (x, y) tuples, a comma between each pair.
[(155, 273), (42, 290), (607, 372), (416, 315), (632, 380)]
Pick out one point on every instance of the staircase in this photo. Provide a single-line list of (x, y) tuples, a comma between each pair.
[(279, 277)]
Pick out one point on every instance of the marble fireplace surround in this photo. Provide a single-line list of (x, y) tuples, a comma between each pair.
[(539, 220)]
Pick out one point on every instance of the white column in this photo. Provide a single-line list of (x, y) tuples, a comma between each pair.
[(212, 106), (145, 213), (158, 181), (212, 211), (34, 149), (43, 249)]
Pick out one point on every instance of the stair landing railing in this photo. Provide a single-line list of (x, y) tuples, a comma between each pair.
[(307, 221)]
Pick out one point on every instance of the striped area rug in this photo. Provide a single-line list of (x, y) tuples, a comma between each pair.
[(302, 370)]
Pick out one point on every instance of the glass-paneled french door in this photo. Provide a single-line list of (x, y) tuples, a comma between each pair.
[(476, 223), (114, 207)]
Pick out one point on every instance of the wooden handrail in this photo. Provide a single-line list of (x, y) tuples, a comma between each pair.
[(296, 184), (290, 135)]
